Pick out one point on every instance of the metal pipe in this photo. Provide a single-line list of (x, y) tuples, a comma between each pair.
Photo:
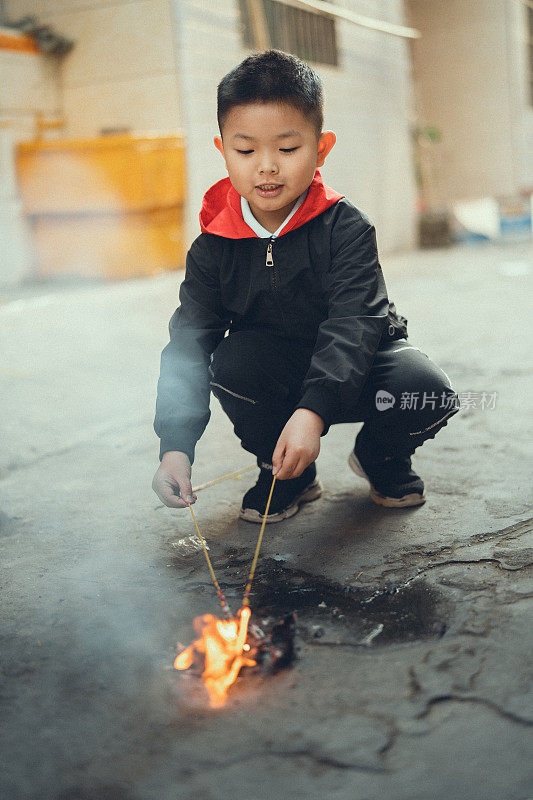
[(326, 9)]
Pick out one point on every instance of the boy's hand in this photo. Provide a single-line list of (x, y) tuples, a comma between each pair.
[(172, 481), (298, 445)]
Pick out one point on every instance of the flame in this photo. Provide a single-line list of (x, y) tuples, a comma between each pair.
[(220, 648)]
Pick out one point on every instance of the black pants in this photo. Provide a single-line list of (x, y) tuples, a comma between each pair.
[(257, 378)]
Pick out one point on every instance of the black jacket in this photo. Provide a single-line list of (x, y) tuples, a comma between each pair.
[(320, 283)]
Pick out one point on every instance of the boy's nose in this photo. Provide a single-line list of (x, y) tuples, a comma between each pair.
[(268, 169)]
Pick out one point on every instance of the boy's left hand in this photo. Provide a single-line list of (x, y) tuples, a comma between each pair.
[(298, 445)]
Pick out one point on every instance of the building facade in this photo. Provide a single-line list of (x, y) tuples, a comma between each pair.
[(151, 67)]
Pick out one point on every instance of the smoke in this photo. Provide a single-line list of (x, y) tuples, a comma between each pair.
[(94, 689)]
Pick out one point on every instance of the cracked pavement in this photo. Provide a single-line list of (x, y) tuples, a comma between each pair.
[(413, 679)]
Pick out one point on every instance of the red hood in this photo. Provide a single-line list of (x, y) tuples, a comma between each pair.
[(221, 209)]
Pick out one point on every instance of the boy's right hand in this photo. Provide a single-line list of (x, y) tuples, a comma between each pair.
[(172, 481)]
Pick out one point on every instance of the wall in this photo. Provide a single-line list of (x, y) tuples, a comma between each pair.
[(29, 84), (122, 70), (121, 73), (523, 107), (469, 83), (369, 104)]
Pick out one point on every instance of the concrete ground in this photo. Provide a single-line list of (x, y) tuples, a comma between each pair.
[(413, 675)]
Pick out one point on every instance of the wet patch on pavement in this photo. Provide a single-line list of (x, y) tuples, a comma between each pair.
[(329, 613)]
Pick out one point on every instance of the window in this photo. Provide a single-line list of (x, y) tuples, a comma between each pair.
[(294, 30)]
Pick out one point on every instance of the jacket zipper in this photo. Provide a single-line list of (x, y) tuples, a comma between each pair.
[(269, 261)]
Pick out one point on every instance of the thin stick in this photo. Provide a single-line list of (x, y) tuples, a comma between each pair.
[(246, 599), (223, 601), (224, 477)]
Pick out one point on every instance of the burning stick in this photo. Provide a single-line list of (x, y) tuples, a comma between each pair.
[(246, 599), (223, 647), (223, 602), (218, 653)]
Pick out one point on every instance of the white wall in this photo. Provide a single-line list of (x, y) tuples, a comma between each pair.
[(522, 106), (29, 84), (470, 82), (122, 70), (370, 107)]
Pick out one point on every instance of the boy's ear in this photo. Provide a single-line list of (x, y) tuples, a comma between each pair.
[(219, 146), (325, 143)]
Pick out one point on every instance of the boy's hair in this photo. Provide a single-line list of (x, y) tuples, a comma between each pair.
[(272, 76)]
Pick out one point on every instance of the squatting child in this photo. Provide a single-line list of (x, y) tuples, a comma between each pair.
[(290, 268)]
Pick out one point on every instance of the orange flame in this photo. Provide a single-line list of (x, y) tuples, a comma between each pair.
[(220, 648)]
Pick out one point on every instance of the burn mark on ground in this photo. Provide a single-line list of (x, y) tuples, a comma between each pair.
[(329, 613), (460, 588)]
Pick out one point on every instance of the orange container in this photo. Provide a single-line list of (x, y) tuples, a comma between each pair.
[(111, 206)]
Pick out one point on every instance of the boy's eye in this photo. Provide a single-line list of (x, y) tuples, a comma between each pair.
[(282, 150)]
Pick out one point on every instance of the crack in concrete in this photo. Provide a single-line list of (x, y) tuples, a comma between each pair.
[(304, 752), (397, 561), (394, 735), (510, 532), (329, 760), (466, 561), (475, 675), (414, 684), (444, 698), (452, 662)]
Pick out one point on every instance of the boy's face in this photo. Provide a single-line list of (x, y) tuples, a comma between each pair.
[(271, 152)]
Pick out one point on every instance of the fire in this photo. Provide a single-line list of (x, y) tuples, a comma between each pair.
[(220, 649)]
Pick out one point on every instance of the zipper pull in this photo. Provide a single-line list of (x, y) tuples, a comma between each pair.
[(269, 260)]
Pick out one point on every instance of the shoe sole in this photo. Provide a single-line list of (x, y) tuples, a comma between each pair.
[(310, 493), (413, 499)]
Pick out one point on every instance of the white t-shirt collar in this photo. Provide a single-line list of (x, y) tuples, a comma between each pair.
[(257, 227)]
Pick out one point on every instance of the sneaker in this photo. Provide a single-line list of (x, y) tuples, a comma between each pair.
[(392, 481), (287, 497)]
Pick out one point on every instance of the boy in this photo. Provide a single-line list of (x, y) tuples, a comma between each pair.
[(290, 268)]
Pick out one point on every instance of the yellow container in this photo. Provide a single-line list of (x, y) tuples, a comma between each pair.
[(111, 206)]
